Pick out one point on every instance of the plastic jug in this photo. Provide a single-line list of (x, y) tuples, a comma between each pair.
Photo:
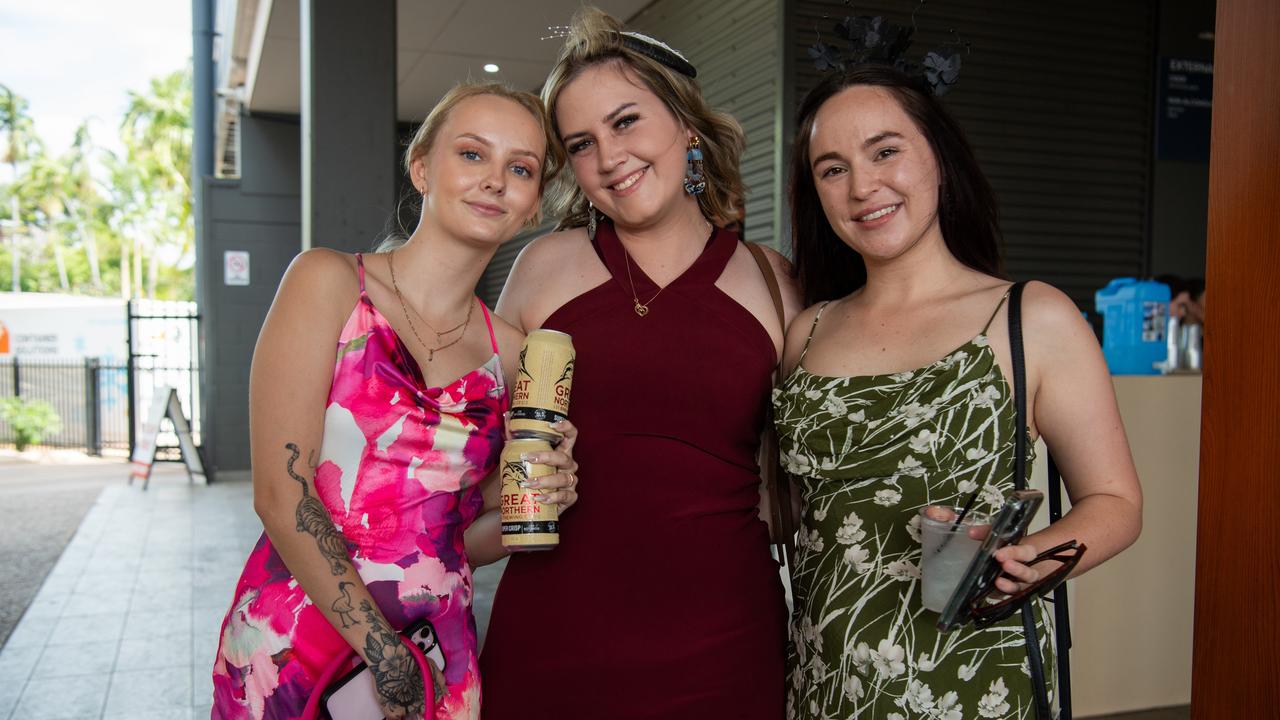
[(1134, 317)]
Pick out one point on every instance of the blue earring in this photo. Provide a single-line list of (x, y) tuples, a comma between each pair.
[(694, 181)]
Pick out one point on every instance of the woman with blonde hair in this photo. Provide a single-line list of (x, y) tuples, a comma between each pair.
[(664, 567), (376, 399)]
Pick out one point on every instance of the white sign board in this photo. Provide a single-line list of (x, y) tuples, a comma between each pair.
[(164, 404), (235, 267)]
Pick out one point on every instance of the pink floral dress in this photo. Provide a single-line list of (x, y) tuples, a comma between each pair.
[(398, 471)]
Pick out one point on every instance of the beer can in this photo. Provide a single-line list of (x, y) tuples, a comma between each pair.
[(543, 383), (526, 523)]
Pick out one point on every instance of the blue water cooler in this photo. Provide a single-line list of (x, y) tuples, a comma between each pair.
[(1134, 316)]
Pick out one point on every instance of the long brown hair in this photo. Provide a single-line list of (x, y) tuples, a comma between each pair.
[(826, 267), (596, 38)]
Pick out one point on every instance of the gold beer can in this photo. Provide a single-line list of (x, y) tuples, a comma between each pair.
[(526, 523), (543, 383)]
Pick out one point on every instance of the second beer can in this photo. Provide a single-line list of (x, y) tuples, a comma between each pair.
[(543, 383), (526, 523)]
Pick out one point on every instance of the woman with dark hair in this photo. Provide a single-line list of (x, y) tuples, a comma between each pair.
[(673, 607), (897, 400)]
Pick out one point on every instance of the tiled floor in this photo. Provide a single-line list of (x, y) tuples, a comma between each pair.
[(126, 624)]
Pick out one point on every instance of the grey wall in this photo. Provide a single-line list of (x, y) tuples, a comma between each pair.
[(349, 130), (1180, 189), (259, 213)]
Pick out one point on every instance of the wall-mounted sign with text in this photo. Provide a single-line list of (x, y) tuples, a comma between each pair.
[(1184, 109)]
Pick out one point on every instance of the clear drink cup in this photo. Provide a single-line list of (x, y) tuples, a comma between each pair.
[(947, 551)]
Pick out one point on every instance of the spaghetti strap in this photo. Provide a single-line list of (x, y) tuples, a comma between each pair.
[(360, 273), (997, 310), (817, 316), (493, 339)]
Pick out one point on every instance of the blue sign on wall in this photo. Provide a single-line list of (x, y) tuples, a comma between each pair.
[(1184, 109)]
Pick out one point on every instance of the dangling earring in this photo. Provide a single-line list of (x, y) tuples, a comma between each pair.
[(694, 182), (591, 219)]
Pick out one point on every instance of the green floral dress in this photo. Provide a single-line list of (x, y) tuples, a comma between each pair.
[(869, 452)]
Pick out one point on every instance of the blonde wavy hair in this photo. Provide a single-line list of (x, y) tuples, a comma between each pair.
[(595, 38)]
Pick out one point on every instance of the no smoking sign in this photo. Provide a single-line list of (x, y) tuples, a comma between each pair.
[(235, 267)]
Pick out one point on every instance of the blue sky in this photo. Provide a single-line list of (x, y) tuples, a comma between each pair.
[(75, 59)]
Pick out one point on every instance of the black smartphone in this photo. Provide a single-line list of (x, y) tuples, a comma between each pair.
[(354, 697), (1009, 526)]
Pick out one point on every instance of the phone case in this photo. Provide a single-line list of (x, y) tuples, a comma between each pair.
[(354, 697), (1009, 526)]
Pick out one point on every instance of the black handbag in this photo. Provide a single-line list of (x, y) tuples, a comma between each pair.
[(1062, 626)]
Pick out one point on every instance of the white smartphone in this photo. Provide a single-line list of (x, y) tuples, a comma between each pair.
[(354, 697)]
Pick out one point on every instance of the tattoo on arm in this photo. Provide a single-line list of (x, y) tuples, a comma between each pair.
[(314, 520), (395, 673)]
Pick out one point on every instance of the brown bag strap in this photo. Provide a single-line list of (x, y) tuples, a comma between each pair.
[(777, 484), (771, 280)]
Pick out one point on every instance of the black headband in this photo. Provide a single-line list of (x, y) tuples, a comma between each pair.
[(658, 51)]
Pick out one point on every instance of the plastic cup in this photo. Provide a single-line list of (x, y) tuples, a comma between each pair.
[(944, 561)]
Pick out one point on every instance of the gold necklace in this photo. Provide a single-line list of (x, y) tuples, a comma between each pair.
[(641, 309), (431, 351)]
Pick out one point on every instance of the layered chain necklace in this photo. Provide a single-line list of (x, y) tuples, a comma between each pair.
[(431, 351)]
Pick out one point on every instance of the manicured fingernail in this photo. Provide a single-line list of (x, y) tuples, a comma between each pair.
[(541, 498), (531, 483), (529, 457), (559, 424)]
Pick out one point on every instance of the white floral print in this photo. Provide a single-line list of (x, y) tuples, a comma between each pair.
[(868, 453)]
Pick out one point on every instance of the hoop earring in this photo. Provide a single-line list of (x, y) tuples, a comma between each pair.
[(695, 183), (591, 219)]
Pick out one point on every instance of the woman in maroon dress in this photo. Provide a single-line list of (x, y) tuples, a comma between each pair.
[(671, 604)]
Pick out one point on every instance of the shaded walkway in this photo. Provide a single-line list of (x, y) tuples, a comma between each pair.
[(125, 626)]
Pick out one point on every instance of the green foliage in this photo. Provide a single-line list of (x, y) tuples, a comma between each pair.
[(94, 222), (32, 420)]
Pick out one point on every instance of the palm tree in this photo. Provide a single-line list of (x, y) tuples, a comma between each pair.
[(156, 132), (21, 144), (82, 198), (39, 188)]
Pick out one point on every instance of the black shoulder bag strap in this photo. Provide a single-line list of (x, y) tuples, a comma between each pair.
[(1062, 630)]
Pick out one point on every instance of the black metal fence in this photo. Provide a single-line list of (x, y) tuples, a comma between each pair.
[(90, 397), (102, 404)]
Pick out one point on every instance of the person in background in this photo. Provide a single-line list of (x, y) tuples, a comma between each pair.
[(1186, 298)]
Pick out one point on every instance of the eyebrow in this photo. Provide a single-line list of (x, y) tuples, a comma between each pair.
[(486, 143), (878, 137), (607, 119)]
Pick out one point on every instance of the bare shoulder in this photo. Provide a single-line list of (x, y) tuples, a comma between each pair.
[(1047, 310), (552, 249), (548, 272), (797, 336), (323, 265), (781, 265), (1054, 329), (510, 337), (321, 275), (802, 323)]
